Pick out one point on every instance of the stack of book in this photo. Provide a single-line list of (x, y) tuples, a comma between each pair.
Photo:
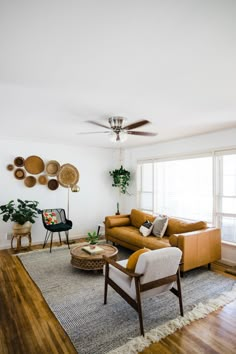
[(92, 250)]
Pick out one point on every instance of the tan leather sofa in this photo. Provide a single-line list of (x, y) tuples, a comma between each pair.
[(199, 243)]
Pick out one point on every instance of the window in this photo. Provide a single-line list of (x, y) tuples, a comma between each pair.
[(226, 196), (191, 188), (145, 186), (176, 187)]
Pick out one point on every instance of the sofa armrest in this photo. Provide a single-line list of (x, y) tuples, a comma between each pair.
[(117, 220), (177, 240), (198, 247)]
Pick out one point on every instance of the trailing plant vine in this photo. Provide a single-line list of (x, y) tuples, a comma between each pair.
[(121, 179)]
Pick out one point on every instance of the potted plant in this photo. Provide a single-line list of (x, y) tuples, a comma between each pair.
[(121, 179), (23, 214), (92, 238)]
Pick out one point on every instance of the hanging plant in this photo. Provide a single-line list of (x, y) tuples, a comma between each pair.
[(121, 179)]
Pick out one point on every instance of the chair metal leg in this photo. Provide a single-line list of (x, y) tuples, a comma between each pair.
[(51, 242), (67, 238), (46, 238), (139, 305), (59, 234)]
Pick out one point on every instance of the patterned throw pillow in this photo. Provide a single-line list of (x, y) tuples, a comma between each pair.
[(160, 225), (146, 228), (50, 218)]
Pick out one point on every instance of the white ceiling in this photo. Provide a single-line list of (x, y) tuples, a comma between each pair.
[(63, 62)]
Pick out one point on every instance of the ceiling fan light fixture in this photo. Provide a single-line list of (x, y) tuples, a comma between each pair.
[(116, 122), (123, 136), (112, 136), (118, 130), (115, 137)]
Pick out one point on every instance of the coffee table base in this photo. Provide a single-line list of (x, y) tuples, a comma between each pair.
[(82, 260)]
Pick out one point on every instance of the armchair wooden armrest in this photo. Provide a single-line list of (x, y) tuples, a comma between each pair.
[(121, 268)]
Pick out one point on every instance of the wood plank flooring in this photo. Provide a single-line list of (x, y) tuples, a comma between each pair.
[(27, 325)]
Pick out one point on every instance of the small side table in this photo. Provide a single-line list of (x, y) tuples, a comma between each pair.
[(18, 238)]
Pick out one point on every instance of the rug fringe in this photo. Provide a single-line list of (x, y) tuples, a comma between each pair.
[(138, 344)]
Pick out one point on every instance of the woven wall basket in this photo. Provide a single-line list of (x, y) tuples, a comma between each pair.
[(43, 179), (68, 175), (19, 161), (34, 165), (19, 173), (30, 181), (53, 184), (52, 168)]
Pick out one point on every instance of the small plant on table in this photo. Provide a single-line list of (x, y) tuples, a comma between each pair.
[(92, 238)]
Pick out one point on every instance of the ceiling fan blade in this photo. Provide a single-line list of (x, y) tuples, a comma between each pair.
[(98, 124), (136, 124), (80, 133), (142, 133)]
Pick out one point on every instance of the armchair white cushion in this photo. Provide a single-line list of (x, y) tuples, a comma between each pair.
[(155, 272)]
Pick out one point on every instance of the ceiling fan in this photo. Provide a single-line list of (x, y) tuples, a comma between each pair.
[(117, 129)]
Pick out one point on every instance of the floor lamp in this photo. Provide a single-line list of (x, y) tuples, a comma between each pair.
[(73, 189)]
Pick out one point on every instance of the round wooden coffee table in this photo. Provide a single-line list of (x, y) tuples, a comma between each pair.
[(83, 260)]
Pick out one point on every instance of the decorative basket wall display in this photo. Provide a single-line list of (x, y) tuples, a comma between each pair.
[(66, 175)]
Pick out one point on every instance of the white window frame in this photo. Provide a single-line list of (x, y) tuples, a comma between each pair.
[(217, 176), (219, 189), (139, 184)]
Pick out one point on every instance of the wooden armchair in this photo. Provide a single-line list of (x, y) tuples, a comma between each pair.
[(155, 273)]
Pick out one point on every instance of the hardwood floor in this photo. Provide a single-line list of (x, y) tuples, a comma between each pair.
[(28, 326)]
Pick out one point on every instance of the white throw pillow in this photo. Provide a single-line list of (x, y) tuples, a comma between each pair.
[(146, 228), (160, 225)]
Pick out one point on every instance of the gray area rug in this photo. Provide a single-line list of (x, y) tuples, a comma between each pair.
[(76, 299)]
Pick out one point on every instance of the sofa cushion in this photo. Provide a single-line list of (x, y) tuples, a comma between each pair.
[(160, 225), (130, 235), (137, 217), (146, 228), (120, 221), (133, 259), (178, 226)]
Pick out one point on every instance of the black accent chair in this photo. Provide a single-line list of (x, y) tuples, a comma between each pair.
[(54, 220)]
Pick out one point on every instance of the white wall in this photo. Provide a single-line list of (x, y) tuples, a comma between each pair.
[(197, 144), (96, 199)]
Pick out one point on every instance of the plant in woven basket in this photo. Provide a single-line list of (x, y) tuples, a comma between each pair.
[(121, 179), (92, 238), (21, 212)]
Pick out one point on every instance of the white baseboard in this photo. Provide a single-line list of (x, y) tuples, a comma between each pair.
[(227, 262)]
